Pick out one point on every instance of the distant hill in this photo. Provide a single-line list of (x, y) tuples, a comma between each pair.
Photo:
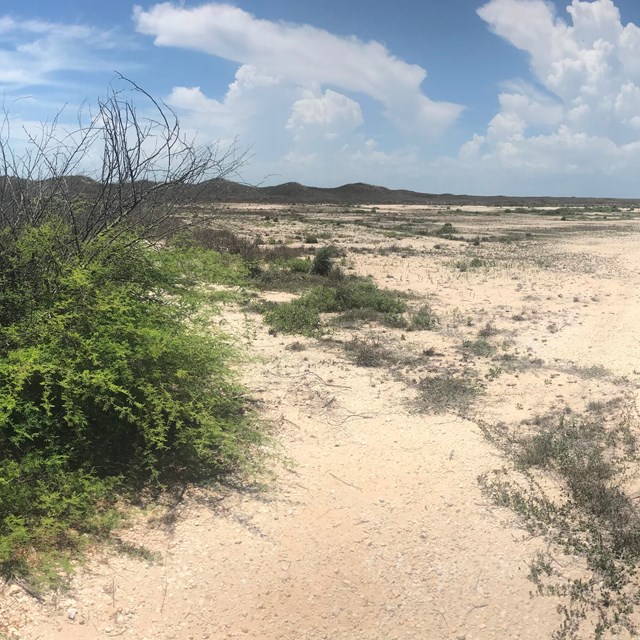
[(362, 193), (358, 193)]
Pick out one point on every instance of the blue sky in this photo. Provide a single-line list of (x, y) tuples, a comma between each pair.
[(519, 97)]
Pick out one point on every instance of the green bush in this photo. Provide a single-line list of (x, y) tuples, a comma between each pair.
[(358, 298), (355, 294), (102, 385), (423, 319), (296, 317)]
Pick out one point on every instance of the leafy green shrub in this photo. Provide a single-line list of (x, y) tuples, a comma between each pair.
[(185, 266), (354, 294), (296, 317), (298, 265), (360, 298), (102, 385)]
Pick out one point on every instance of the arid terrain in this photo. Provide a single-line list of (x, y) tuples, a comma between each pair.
[(369, 521)]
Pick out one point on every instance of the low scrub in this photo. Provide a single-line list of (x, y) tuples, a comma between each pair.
[(567, 481), (448, 392), (368, 353), (424, 319), (302, 315)]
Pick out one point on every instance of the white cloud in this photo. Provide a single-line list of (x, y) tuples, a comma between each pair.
[(33, 51), (302, 56), (585, 120), (330, 114)]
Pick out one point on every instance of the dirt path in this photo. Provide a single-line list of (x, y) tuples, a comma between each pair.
[(373, 526)]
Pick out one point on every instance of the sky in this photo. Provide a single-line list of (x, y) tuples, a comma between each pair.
[(514, 97)]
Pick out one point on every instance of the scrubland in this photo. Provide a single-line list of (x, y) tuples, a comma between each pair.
[(447, 441)]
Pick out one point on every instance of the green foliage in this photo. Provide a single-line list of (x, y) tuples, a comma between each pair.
[(480, 347), (302, 315), (424, 319), (446, 230), (102, 384), (185, 266), (295, 317), (474, 263)]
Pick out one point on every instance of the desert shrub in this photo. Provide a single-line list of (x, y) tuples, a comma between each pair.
[(220, 240), (586, 511), (352, 295), (445, 230), (298, 265), (487, 331), (448, 392), (423, 319), (102, 385), (323, 260), (185, 266), (357, 298), (367, 353), (295, 317), (394, 320), (480, 347), (474, 263)]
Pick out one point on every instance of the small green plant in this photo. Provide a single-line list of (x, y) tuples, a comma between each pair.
[(494, 372), (487, 331), (480, 347), (295, 317), (323, 261), (424, 319), (446, 230), (354, 298)]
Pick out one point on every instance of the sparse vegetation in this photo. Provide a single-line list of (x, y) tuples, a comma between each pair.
[(480, 347), (590, 514), (424, 319), (368, 353), (448, 392)]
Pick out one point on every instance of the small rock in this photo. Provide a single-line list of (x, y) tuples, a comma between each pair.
[(72, 613)]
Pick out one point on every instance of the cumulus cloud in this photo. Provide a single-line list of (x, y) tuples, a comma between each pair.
[(330, 114), (302, 56), (584, 120)]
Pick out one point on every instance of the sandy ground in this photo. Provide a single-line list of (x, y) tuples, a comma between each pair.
[(371, 524)]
